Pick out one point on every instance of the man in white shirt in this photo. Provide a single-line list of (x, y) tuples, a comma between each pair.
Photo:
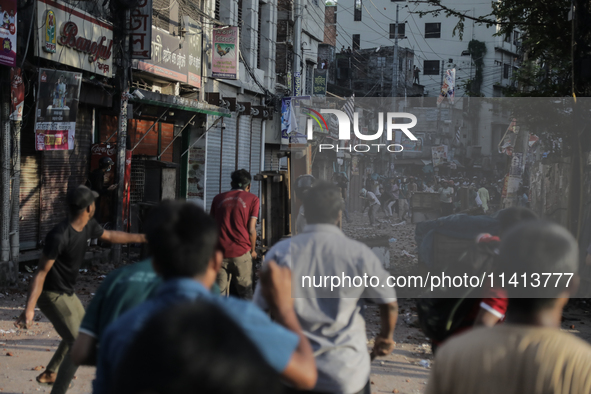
[(374, 205)]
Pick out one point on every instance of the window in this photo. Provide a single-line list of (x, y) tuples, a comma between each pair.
[(356, 42), (515, 38), (432, 30), (357, 13), (309, 78), (506, 71), (431, 67), (217, 10), (381, 62), (401, 30), (508, 37)]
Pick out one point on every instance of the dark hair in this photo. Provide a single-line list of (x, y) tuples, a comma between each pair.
[(322, 203), (75, 211), (538, 247), (512, 216), (182, 238), (194, 348), (241, 179)]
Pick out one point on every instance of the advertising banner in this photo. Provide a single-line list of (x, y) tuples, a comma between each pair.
[(57, 107), (193, 42), (73, 37), (439, 155), (8, 18), (17, 94), (224, 63), (410, 145), (168, 60), (448, 88), (140, 27), (320, 78)]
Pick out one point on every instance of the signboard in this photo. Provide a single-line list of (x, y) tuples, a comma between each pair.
[(224, 63), (193, 42), (168, 60), (57, 107), (140, 27), (320, 78), (73, 37), (297, 83), (17, 94), (8, 18), (448, 88), (439, 155), (517, 165), (409, 145)]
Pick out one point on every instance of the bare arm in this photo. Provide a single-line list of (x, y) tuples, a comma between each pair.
[(84, 350), (121, 237), (485, 318), (384, 343), (252, 232), (25, 320), (301, 369)]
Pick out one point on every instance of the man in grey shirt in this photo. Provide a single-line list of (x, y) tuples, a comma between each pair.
[(330, 312)]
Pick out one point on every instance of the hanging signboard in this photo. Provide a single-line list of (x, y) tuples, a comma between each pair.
[(193, 37), (448, 88), (439, 155), (320, 77), (140, 27), (8, 13), (73, 37), (224, 63), (17, 94), (168, 60), (57, 107)]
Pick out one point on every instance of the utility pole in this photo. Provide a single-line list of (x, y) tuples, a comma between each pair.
[(122, 130), (297, 47), (439, 109), (395, 68), (5, 170)]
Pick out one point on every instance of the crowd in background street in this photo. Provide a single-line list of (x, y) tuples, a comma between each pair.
[(190, 319)]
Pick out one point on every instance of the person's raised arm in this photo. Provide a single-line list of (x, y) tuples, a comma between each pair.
[(121, 237), (25, 320), (301, 369), (384, 343), (252, 233)]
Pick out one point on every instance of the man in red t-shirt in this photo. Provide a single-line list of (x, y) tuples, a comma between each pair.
[(236, 214)]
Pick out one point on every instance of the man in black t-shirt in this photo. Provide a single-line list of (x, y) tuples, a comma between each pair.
[(52, 285)]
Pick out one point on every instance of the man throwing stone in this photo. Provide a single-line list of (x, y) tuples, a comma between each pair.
[(52, 285)]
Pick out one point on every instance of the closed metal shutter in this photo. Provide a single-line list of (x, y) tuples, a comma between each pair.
[(212, 165), (243, 147), (255, 153), (64, 170), (29, 202), (228, 153)]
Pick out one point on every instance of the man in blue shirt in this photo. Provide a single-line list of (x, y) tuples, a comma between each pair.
[(183, 239)]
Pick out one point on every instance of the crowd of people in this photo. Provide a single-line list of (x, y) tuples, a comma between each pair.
[(171, 324), (394, 195)]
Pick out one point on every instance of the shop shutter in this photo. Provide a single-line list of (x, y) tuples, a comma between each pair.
[(212, 165), (29, 202), (64, 170), (255, 152), (228, 153), (243, 146)]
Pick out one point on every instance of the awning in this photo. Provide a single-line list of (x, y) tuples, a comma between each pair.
[(180, 103), (417, 162)]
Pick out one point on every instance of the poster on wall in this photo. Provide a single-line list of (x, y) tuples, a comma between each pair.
[(8, 13), (439, 155), (224, 63), (410, 145), (193, 37), (517, 165), (17, 94), (57, 108)]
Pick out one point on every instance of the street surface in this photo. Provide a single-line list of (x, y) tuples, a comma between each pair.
[(25, 353)]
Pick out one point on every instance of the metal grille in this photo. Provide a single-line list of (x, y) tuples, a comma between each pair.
[(138, 178)]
